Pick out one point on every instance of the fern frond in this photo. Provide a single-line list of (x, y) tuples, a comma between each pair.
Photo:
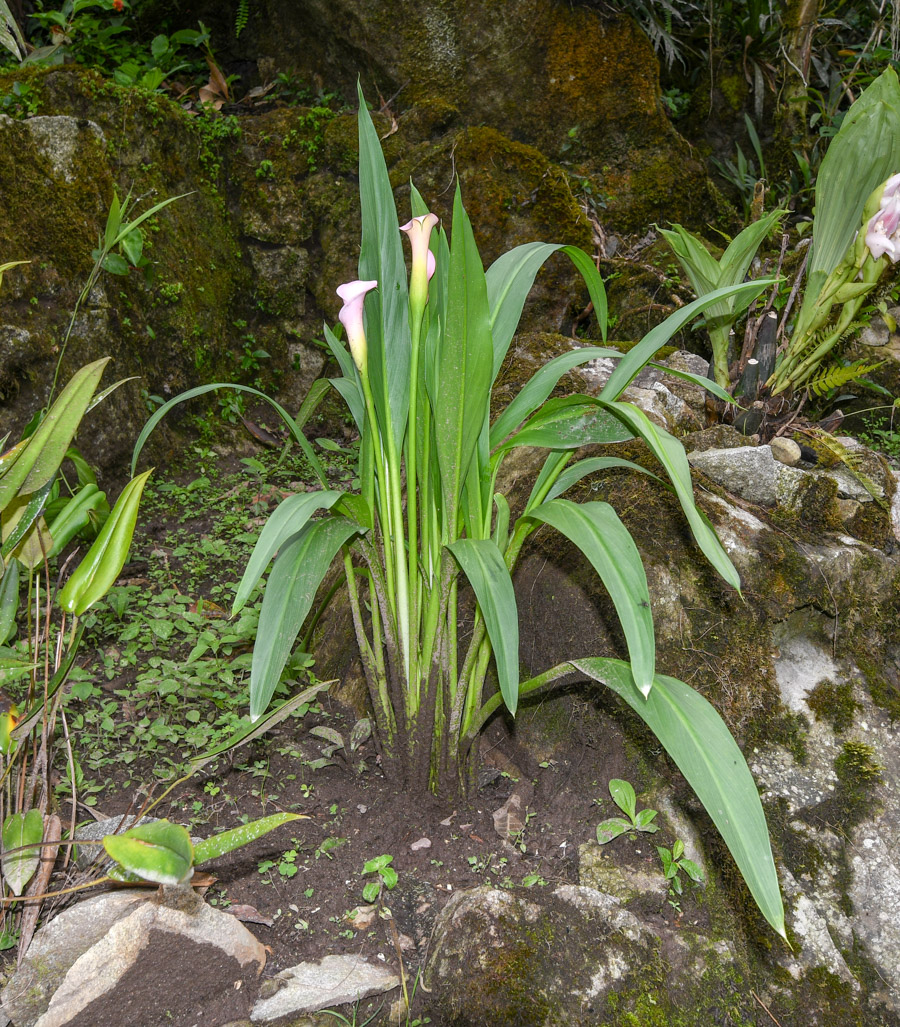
[(825, 442), (837, 375), (241, 18)]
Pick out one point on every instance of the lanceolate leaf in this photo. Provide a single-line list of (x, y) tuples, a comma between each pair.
[(670, 453), (9, 599), (256, 730), (160, 852), (865, 152), (510, 278), (696, 738), (597, 531), (539, 387), (227, 841), (21, 829), (39, 460), (568, 423), (289, 594), (201, 390), (289, 517), (381, 260), (572, 475), (637, 357), (483, 565), (464, 362)]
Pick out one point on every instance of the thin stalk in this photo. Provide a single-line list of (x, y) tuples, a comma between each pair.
[(412, 522), (525, 688)]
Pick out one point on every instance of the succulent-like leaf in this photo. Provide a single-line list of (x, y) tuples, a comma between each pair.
[(21, 829)]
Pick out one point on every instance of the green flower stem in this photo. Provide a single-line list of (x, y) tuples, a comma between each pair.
[(525, 688), (412, 485)]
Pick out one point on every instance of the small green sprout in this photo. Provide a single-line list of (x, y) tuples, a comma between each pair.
[(624, 797), (673, 862), (387, 877)]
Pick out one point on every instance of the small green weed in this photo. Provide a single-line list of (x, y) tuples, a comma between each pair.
[(623, 796)]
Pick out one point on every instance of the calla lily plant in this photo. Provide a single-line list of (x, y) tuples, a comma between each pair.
[(421, 353)]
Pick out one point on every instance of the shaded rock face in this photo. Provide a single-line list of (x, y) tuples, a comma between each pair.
[(556, 76)]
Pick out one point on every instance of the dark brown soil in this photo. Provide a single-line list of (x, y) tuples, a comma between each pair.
[(309, 898)]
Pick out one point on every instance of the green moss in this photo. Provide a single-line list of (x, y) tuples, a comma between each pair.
[(856, 766), (834, 704), (883, 692)]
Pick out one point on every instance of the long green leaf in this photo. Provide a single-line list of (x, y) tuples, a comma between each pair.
[(539, 387), (670, 453), (289, 517), (696, 738), (20, 516), (510, 278), (39, 461), (381, 260), (201, 390), (482, 563), (9, 600), (290, 590), (572, 475), (21, 829), (464, 362), (636, 358), (597, 531), (227, 841), (865, 152), (253, 730), (567, 423)]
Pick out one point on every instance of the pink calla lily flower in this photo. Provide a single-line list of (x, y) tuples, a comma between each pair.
[(418, 232), (351, 317), (882, 236)]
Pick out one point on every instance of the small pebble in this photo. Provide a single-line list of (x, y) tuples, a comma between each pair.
[(785, 451), (422, 843)]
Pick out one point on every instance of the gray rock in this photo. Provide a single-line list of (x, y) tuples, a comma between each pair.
[(875, 894), (59, 137), (599, 871), (876, 333), (56, 946), (333, 981), (98, 971), (748, 471), (81, 956)]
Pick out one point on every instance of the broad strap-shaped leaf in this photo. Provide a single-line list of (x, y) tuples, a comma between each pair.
[(510, 278), (103, 562), (568, 422), (21, 829), (482, 562), (572, 475), (227, 841), (597, 531), (539, 387), (289, 517), (387, 307), (159, 851), (670, 453), (864, 153), (638, 356), (9, 599), (38, 461), (463, 363), (251, 731), (20, 515), (702, 748), (289, 594), (696, 379), (201, 390)]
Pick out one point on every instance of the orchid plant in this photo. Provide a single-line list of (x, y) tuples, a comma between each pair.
[(421, 356)]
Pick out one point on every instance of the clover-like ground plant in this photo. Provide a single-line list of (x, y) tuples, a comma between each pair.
[(417, 377)]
